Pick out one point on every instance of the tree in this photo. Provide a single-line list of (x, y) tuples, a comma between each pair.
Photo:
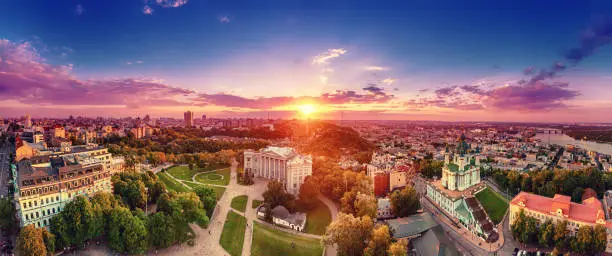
[(7, 214), (584, 239), (347, 202), (117, 222), (78, 216), (31, 242), (561, 235), (308, 193), (546, 234), (379, 241), (135, 236), (404, 202), (518, 225), (398, 248), (208, 197), (531, 230), (161, 230), (49, 240), (599, 239), (365, 205), (349, 233), (276, 195), (59, 228)]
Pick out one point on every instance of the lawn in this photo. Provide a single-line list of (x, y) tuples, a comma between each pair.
[(317, 219), (270, 241), (256, 203), (239, 203), (495, 205), (171, 184), (232, 237), (218, 190), (220, 177), (181, 172)]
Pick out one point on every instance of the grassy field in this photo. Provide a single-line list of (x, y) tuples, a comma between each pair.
[(181, 172), (171, 184), (239, 203), (256, 203), (495, 205), (317, 219), (232, 237), (215, 177), (269, 241)]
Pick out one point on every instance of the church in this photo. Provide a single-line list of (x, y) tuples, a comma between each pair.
[(454, 192)]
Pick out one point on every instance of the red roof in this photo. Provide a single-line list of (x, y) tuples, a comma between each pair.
[(589, 211)]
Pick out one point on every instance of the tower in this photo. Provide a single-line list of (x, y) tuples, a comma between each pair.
[(188, 118), (28, 121)]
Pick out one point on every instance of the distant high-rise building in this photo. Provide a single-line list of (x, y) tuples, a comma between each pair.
[(203, 117), (188, 118), (28, 121)]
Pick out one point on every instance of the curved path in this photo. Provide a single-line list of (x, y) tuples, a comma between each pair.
[(330, 250)]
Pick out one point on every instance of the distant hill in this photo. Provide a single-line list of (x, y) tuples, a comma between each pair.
[(335, 141)]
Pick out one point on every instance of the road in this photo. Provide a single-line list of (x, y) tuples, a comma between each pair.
[(5, 152)]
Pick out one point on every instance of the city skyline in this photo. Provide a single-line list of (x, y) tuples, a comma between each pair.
[(444, 61)]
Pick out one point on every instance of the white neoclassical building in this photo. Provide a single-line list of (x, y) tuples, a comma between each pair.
[(279, 163)]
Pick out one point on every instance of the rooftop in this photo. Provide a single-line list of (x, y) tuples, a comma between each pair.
[(411, 225), (590, 210)]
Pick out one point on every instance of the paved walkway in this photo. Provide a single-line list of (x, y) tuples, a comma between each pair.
[(330, 250)]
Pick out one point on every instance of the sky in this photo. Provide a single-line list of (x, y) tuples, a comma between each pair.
[(534, 61)]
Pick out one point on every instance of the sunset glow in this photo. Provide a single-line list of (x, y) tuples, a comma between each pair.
[(307, 109)]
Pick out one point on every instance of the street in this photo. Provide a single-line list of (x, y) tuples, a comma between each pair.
[(5, 152)]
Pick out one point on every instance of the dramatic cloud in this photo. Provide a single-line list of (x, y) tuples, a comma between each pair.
[(537, 96), (532, 97), (27, 78), (371, 94), (79, 9), (147, 10), (597, 36), (326, 56), (224, 19)]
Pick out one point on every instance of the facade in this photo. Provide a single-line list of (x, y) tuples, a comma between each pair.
[(454, 192), (45, 184), (560, 208), (28, 121), (282, 164), (188, 118), (383, 210)]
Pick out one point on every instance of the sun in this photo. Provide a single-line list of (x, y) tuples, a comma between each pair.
[(307, 109)]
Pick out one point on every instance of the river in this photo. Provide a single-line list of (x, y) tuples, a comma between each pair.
[(562, 140)]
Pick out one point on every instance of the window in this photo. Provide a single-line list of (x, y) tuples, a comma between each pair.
[(48, 211), (47, 200), (34, 203), (43, 213), (37, 215), (45, 222), (57, 198), (24, 205), (27, 217), (53, 210)]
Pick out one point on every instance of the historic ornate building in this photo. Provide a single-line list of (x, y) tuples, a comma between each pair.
[(45, 184), (282, 164), (454, 192), (463, 172)]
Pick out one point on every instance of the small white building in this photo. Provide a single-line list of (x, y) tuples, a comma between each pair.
[(384, 209), (282, 217)]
